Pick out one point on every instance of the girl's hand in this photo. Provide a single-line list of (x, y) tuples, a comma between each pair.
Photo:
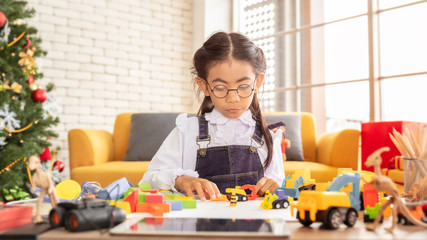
[(265, 184), (204, 188)]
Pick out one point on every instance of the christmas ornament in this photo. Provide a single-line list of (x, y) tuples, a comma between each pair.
[(16, 87), (39, 95), (9, 119), (27, 61), (3, 19), (27, 44), (59, 165), (30, 79), (46, 155), (33, 86)]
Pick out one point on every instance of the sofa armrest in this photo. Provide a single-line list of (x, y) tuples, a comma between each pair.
[(89, 147), (339, 149)]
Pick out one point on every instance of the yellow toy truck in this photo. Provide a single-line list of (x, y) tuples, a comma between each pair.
[(331, 207)]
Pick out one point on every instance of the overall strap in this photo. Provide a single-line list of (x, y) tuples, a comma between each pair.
[(203, 135), (203, 128)]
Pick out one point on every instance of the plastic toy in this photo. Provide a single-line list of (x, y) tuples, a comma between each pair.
[(86, 214), (44, 181), (330, 207), (233, 199), (385, 184), (299, 181), (252, 195), (416, 210), (267, 203), (240, 194)]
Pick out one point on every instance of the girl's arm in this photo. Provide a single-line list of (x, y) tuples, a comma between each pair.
[(167, 164), (275, 172)]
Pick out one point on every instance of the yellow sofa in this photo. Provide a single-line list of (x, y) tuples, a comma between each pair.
[(97, 155)]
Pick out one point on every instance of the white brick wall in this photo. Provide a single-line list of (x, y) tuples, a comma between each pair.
[(112, 56)]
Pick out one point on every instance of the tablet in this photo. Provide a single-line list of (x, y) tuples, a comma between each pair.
[(147, 225)]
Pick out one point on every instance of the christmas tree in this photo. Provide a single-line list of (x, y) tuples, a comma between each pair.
[(27, 111)]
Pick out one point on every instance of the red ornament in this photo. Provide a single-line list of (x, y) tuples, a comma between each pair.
[(46, 155), (3, 19), (59, 165), (39, 95), (30, 79), (27, 44)]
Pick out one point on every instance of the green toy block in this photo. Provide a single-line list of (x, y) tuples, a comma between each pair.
[(142, 197), (171, 195), (144, 187), (128, 192), (188, 204)]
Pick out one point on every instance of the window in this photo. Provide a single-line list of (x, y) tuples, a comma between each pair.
[(346, 61)]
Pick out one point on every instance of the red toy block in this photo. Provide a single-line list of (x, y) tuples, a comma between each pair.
[(375, 135), (155, 198), (252, 195), (152, 190), (132, 199)]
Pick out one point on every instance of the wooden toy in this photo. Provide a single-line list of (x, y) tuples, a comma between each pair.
[(44, 181), (385, 184)]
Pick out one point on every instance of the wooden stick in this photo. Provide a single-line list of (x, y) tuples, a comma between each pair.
[(413, 142)]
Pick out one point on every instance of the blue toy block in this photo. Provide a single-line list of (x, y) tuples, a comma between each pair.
[(175, 205)]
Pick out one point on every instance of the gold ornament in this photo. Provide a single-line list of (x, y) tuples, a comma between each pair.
[(27, 61), (16, 87), (33, 86)]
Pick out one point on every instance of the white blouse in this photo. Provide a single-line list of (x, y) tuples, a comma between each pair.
[(177, 155)]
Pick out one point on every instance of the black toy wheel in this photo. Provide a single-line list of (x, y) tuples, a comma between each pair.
[(307, 221), (277, 205), (333, 219), (351, 217), (285, 204)]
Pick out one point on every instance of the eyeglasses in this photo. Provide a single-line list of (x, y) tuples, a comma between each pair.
[(221, 91)]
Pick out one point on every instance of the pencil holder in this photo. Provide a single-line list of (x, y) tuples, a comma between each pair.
[(414, 171)]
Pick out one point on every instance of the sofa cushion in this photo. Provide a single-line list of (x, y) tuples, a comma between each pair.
[(293, 133), (147, 133)]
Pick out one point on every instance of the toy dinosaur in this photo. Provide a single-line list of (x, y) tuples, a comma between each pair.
[(385, 184), (418, 191), (44, 181)]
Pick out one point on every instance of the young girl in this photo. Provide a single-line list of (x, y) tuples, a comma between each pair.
[(229, 143)]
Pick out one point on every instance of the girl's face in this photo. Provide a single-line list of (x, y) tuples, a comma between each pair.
[(231, 74)]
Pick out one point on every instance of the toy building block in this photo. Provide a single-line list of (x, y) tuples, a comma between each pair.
[(155, 209), (154, 198), (143, 186), (171, 196), (184, 198), (371, 212), (151, 190), (223, 198), (128, 192), (142, 197), (175, 205), (188, 203), (132, 199), (125, 206)]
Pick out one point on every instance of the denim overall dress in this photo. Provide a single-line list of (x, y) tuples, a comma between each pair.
[(232, 165)]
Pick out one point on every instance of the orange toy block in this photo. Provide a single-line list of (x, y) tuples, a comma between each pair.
[(155, 198), (156, 209)]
